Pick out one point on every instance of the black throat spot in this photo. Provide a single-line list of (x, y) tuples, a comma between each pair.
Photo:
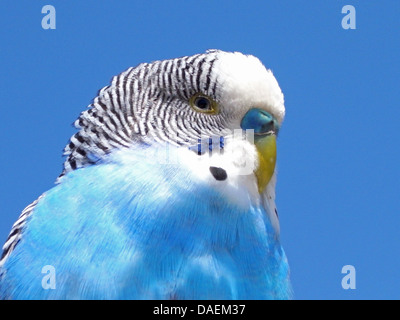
[(218, 173)]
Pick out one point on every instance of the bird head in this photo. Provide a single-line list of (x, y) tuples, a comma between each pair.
[(180, 101)]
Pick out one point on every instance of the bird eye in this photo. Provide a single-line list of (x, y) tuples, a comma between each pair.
[(203, 103)]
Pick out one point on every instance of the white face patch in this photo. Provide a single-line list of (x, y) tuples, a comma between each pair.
[(229, 171)]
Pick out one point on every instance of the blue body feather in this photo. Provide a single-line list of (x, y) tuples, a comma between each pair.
[(133, 230)]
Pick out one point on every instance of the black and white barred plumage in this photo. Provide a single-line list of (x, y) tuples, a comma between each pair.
[(146, 103)]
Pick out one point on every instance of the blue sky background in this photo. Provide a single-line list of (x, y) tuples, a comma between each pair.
[(338, 183)]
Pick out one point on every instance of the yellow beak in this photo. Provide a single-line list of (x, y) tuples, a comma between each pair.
[(266, 148), (265, 128)]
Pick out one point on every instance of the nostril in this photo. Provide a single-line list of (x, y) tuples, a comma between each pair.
[(268, 126)]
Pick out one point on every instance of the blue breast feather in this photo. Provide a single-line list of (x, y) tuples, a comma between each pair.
[(137, 230)]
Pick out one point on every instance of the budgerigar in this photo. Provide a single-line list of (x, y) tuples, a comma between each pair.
[(167, 192)]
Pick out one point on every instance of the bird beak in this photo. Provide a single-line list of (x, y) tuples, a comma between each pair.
[(265, 129), (266, 148)]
